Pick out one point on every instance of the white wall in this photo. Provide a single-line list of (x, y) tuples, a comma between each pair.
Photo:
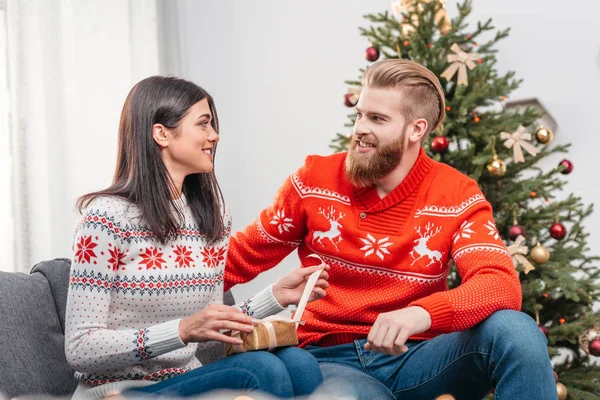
[(557, 53), (276, 69)]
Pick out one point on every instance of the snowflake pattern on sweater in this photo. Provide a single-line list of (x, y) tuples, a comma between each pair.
[(128, 292), (385, 253)]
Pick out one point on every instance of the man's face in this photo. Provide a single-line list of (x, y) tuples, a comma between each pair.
[(379, 136)]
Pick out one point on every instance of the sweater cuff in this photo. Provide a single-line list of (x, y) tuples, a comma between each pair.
[(262, 305), (440, 310), (163, 338)]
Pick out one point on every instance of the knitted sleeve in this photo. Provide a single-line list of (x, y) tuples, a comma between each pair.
[(489, 280), (259, 306), (98, 254), (279, 229)]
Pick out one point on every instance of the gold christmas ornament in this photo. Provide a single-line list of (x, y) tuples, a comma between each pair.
[(405, 7), (544, 135), (562, 391), (399, 7), (588, 336), (445, 397), (518, 252), (540, 254), (460, 61), (517, 140), (496, 167), (442, 19)]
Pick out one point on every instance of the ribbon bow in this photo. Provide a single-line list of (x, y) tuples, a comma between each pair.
[(518, 253), (516, 140), (460, 62), (441, 18)]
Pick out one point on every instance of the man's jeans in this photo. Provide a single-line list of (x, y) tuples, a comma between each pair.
[(507, 352)]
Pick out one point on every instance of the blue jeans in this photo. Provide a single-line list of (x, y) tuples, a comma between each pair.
[(285, 372), (507, 352)]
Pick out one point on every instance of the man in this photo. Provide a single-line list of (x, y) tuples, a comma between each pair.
[(388, 220)]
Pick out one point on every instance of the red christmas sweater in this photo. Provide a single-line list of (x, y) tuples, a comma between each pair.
[(385, 254)]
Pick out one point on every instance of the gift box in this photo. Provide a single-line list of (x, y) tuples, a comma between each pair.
[(267, 335), (274, 331)]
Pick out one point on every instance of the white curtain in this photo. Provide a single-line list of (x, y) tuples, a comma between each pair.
[(6, 220), (71, 65)]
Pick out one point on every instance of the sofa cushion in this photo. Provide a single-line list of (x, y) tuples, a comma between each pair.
[(32, 359), (57, 273)]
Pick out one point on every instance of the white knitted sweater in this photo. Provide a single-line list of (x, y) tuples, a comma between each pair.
[(128, 292)]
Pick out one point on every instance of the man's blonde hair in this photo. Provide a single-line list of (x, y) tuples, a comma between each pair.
[(421, 89)]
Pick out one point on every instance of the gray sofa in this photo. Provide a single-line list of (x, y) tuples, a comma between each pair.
[(32, 322)]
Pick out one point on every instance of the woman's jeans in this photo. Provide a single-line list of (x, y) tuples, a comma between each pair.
[(506, 351), (285, 372)]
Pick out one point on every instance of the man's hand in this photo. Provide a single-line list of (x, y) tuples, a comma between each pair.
[(288, 290), (391, 330)]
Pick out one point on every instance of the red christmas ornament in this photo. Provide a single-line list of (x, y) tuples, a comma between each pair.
[(558, 231), (372, 53), (544, 330), (515, 231), (555, 376), (439, 144), (568, 166), (595, 348), (348, 100)]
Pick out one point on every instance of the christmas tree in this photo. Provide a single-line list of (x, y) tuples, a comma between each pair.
[(495, 146)]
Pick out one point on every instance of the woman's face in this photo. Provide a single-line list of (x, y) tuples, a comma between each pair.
[(191, 145)]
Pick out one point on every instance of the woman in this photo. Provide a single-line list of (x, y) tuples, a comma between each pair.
[(146, 282)]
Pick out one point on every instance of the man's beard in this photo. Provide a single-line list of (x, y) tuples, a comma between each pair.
[(364, 170)]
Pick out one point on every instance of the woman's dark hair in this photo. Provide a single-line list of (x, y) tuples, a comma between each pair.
[(141, 176)]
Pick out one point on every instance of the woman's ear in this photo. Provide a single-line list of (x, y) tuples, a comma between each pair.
[(419, 129), (160, 135)]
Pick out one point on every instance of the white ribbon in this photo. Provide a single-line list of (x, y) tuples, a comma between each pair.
[(267, 322)]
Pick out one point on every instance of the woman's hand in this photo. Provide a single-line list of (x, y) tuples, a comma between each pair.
[(206, 324), (288, 290)]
